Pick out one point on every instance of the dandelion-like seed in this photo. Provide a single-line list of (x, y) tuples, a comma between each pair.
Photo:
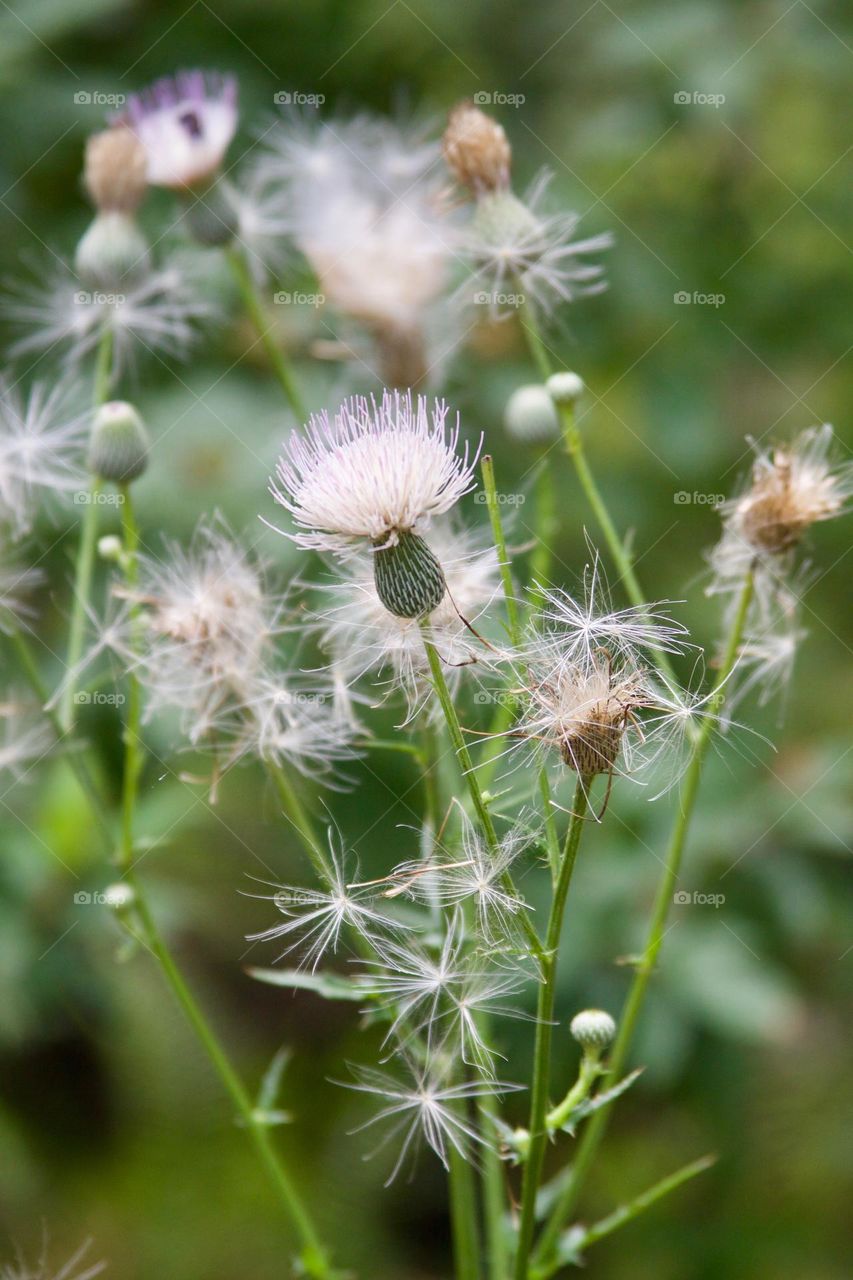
[(287, 724), (378, 474), (185, 123), (315, 919), (425, 1106), (25, 736), (41, 442)]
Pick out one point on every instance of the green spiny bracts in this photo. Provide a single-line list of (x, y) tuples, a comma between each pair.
[(409, 579)]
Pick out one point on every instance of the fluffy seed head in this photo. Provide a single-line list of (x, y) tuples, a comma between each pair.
[(476, 149), (115, 170), (372, 473)]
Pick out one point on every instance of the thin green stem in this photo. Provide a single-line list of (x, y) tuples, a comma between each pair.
[(590, 1071), (313, 1260), (597, 1126), (535, 344), (538, 1128), (463, 1217), (487, 467), (103, 368), (543, 553), (72, 758), (300, 819), (265, 330)]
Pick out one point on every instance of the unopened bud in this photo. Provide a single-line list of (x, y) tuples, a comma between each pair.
[(530, 414), (119, 896), (409, 579), (476, 150), (593, 1029), (112, 253), (211, 216), (565, 388), (502, 219), (110, 547), (115, 171), (118, 449)]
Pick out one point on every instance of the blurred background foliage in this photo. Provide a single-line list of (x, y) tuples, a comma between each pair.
[(110, 1122)]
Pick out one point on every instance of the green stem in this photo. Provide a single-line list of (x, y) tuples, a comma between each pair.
[(103, 368), (535, 344), (544, 1028), (463, 1217), (487, 467), (590, 1071), (597, 1126), (540, 560), (265, 330), (74, 761), (300, 820), (313, 1258)]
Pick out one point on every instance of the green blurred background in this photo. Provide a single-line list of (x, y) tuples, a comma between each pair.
[(111, 1123)]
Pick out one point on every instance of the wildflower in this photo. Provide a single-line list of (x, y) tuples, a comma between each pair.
[(565, 387), (113, 249), (366, 211), (41, 438), (530, 414), (362, 636), (160, 311), (519, 253), (314, 919), (185, 124), (298, 726), (425, 1106), (377, 475)]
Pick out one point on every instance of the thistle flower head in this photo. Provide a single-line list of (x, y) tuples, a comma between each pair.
[(425, 1106), (515, 245), (185, 124), (593, 1029), (118, 448), (115, 170), (373, 473), (41, 440), (476, 150), (365, 209), (209, 624), (287, 723)]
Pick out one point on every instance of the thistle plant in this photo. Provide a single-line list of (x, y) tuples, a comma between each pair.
[(524, 705)]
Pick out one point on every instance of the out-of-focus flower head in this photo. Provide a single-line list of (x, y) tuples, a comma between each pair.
[(42, 435), (185, 123)]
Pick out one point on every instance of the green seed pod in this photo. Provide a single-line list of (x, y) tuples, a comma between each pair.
[(409, 579), (530, 415), (501, 218), (212, 221), (112, 253), (118, 448), (593, 1029)]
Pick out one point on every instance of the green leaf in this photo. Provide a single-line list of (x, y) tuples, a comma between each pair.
[(590, 1105), (331, 986)]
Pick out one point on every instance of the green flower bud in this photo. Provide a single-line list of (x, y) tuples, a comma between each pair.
[(593, 1029), (530, 414), (565, 388), (501, 218), (119, 896), (110, 548), (409, 579), (112, 253), (118, 448), (211, 219)]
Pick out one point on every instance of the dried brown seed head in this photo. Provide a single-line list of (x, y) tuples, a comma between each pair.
[(476, 150), (115, 170)]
